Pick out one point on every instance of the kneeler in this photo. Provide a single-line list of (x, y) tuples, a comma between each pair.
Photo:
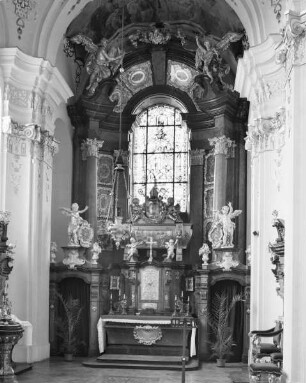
[(258, 372)]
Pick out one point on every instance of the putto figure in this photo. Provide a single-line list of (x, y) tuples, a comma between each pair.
[(102, 62), (170, 246), (221, 233), (74, 224), (132, 251)]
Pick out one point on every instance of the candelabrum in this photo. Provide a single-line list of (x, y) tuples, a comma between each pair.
[(123, 305), (111, 311), (180, 307)]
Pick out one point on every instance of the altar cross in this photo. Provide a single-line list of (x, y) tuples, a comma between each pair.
[(151, 243)]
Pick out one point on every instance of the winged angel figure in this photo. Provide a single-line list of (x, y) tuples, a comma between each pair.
[(222, 231), (102, 62), (208, 58)]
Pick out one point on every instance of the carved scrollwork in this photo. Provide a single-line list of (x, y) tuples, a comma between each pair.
[(147, 335)]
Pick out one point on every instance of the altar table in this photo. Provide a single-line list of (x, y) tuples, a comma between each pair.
[(125, 325)]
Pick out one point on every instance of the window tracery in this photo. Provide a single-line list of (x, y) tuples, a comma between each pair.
[(160, 155)]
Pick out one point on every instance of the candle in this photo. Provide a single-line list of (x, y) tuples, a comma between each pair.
[(119, 293), (175, 298), (111, 296), (123, 296), (182, 294), (188, 299)]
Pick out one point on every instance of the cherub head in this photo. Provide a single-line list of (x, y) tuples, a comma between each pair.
[(132, 240), (135, 201), (171, 241), (75, 207), (103, 42), (225, 210)]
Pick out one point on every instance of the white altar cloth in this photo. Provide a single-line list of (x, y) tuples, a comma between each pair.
[(102, 337)]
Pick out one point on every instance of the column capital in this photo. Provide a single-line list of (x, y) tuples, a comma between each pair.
[(197, 157), (90, 148), (223, 145), (30, 140)]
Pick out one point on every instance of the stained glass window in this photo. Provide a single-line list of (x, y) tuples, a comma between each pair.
[(160, 147)]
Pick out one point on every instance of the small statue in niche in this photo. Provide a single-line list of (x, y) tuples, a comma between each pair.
[(204, 252), (170, 246), (221, 233), (75, 223), (102, 62), (132, 252)]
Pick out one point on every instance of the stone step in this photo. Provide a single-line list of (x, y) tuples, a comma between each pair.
[(193, 364), (125, 358)]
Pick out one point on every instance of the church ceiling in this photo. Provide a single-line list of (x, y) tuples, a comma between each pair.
[(102, 18)]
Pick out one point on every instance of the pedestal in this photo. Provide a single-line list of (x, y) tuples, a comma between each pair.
[(10, 333), (74, 256)]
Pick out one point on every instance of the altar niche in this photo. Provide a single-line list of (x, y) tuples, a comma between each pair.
[(154, 288)]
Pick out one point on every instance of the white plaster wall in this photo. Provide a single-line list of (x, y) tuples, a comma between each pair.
[(62, 185)]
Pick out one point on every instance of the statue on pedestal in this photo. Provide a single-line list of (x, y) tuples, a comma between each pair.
[(80, 235), (221, 233), (170, 246), (132, 251), (75, 223)]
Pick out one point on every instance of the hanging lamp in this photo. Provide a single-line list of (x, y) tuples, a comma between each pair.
[(118, 231)]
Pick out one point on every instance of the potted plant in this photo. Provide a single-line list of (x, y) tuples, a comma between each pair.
[(221, 333), (67, 325)]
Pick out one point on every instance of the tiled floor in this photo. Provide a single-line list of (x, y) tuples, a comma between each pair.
[(59, 371)]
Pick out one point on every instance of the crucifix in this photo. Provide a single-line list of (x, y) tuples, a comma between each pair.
[(151, 243)]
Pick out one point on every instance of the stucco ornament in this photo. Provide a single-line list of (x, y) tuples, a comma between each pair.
[(291, 49), (227, 262)]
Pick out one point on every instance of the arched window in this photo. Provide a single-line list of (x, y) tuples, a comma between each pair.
[(160, 155)]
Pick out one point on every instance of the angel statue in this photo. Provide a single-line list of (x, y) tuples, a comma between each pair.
[(208, 57), (224, 218), (102, 62), (132, 251), (75, 222), (170, 246)]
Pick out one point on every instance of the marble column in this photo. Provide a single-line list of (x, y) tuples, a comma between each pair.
[(223, 149), (90, 152)]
